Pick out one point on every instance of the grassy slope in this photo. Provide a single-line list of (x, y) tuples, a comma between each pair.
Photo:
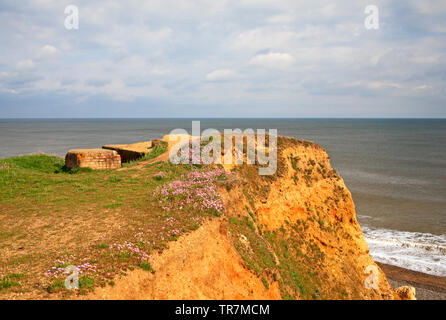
[(50, 218)]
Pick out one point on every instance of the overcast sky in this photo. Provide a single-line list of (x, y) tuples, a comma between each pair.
[(216, 58)]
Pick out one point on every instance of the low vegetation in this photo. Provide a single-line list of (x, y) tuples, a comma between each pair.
[(106, 223), (103, 222), (158, 150)]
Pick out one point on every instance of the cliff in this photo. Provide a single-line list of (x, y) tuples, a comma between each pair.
[(305, 217), (291, 235)]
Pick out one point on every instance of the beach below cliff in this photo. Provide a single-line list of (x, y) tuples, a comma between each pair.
[(428, 287)]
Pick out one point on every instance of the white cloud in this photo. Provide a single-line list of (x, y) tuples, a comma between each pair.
[(220, 75), (266, 38), (162, 49), (272, 60), (430, 6), (381, 84), (25, 64), (47, 51), (282, 18)]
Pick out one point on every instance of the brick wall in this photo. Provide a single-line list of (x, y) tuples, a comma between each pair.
[(93, 158)]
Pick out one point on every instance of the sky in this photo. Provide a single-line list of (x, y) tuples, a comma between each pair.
[(243, 58)]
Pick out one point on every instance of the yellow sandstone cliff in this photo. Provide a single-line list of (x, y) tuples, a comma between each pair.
[(293, 235), (306, 216)]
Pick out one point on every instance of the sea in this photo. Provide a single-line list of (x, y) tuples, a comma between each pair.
[(394, 168)]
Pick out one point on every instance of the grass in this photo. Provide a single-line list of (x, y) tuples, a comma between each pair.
[(258, 256), (55, 214), (56, 286), (146, 266), (110, 222), (38, 162), (265, 283), (10, 280), (158, 150), (299, 274), (102, 246), (86, 282)]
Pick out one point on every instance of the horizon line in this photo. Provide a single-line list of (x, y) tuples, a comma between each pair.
[(192, 118)]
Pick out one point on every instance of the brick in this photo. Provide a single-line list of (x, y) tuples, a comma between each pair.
[(93, 158)]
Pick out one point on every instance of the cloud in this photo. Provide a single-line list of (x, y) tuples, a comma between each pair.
[(240, 56), (266, 38), (220, 75), (47, 51), (25, 64), (272, 60)]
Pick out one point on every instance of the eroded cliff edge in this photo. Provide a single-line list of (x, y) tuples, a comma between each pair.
[(304, 216), (291, 235)]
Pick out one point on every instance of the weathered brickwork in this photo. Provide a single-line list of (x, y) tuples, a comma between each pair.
[(93, 158)]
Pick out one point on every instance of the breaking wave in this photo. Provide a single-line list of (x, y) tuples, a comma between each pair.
[(421, 252)]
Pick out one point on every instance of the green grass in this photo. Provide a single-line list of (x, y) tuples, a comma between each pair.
[(57, 285), (11, 280), (86, 282), (38, 184), (73, 170), (20, 260), (300, 273), (7, 283), (258, 256), (4, 235), (114, 179), (251, 214), (285, 255), (265, 283), (38, 162), (70, 210), (113, 205), (146, 266), (157, 150)]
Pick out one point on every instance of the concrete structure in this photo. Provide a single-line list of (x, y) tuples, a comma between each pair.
[(93, 158), (134, 151)]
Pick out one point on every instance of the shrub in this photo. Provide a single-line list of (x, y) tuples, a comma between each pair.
[(86, 282), (265, 283), (158, 150), (146, 266)]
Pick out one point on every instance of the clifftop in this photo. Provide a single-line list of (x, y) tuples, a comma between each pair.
[(293, 235), (155, 230)]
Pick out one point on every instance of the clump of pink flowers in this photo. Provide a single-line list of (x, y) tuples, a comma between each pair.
[(59, 270), (130, 247), (197, 190)]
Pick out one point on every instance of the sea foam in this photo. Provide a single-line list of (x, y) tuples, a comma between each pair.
[(422, 252)]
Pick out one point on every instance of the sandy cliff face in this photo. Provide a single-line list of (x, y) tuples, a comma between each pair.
[(200, 265), (306, 217), (292, 235)]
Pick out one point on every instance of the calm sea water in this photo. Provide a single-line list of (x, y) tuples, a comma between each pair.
[(395, 169)]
